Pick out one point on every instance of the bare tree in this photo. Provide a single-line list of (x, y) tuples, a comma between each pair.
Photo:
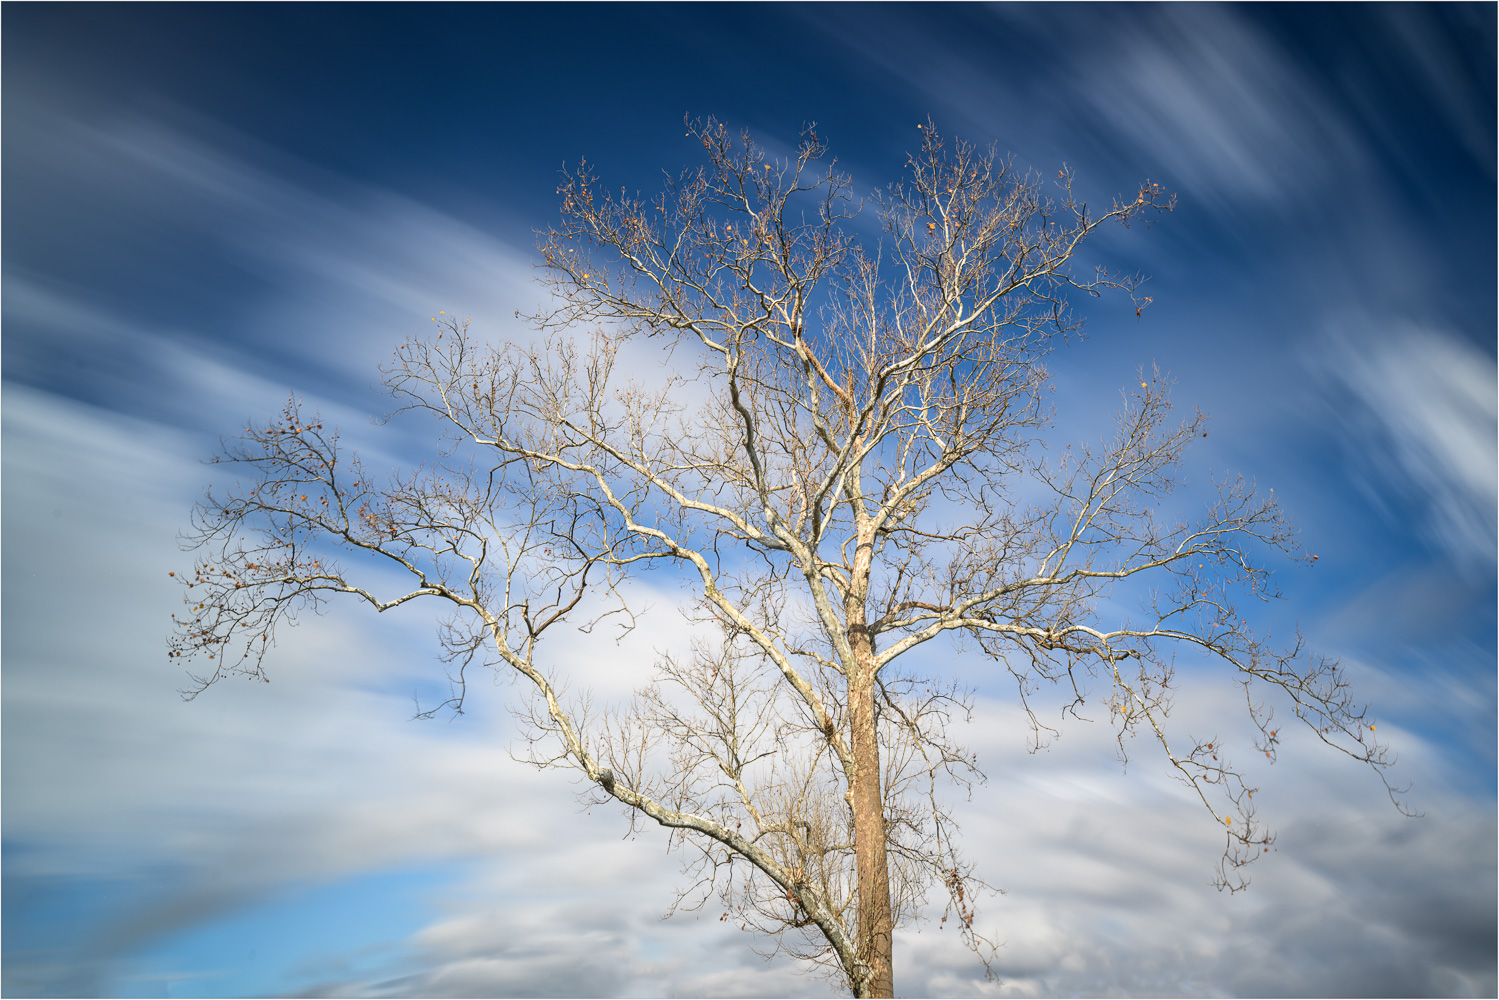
[(837, 455)]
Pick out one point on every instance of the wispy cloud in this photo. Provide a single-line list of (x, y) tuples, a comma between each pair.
[(1195, 92), (1204, 93), (1456, 82), (341, 271), (1422, 417)]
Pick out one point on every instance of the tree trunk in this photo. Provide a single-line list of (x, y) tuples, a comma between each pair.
[(875, 916)]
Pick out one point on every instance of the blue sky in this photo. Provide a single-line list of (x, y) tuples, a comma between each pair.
[(210, 207)]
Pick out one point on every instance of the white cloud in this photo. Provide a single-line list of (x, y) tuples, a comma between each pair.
[(1108, 895), (1202, 92), (1195, 89), (316, 776), (1106, 877), (1423, 420)]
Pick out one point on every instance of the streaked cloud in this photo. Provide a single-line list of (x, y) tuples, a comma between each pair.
[(1205, 94), (339, 272), (1419, 407)]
